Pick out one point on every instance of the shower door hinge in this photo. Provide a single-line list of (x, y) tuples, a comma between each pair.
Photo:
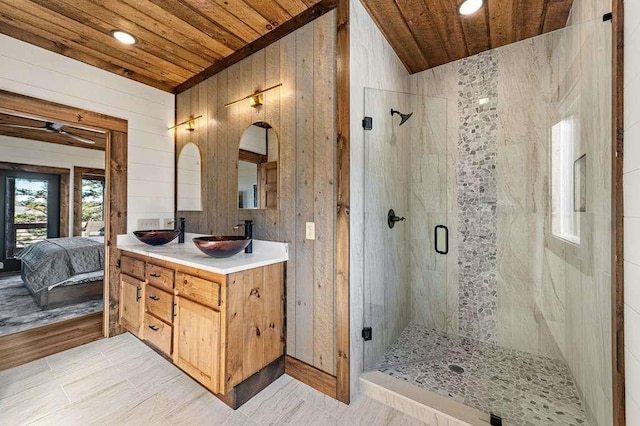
[(367, 123), (367, 334), (607, 17), (495, 420)]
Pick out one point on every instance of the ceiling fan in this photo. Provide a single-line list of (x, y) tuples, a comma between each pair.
[(52, 127)]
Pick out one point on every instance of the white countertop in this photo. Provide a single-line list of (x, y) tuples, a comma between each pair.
[(264, 253)]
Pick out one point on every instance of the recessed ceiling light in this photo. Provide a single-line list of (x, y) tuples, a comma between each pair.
[(469, 7), (123, 37)]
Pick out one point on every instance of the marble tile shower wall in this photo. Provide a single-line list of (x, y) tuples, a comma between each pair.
[(429, 300)]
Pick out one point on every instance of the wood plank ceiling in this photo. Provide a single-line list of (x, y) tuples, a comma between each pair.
[(177, 39), (45, 131), (428, 33)]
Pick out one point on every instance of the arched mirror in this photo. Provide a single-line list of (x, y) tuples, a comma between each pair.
[(258, 168), (189, 178)]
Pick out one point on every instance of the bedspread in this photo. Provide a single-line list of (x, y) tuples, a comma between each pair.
[(54, 260)]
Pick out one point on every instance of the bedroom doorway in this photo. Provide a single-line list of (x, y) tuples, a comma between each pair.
[(31, 213), (85, 205), (48, 275)]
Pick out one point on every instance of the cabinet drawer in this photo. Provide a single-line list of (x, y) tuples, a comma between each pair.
[(133, 267), (159, 276), (159, 303), (198, 289), (157, 333)]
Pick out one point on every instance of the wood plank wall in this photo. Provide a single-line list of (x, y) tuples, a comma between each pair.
[(303, 115)]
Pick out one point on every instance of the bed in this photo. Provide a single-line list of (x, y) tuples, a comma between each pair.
[(64, 271)]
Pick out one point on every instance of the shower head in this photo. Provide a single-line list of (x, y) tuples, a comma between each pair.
[(403, 117)]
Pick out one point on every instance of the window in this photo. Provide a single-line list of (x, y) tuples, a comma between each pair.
[(565, 144), (30, 213), (93, 205)]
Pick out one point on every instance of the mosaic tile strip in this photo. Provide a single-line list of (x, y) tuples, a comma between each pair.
[(522, 388), (477, 196)]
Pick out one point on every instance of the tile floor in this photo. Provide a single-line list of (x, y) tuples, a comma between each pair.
[(522, 388), (121, 381)]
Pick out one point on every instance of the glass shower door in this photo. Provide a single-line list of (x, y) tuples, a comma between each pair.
[(406, 231)]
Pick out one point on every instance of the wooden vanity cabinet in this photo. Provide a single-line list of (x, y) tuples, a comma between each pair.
[(225, 331)]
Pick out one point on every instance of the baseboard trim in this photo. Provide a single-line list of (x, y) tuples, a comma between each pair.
[(255, 384), (310, 375), (26, 346)]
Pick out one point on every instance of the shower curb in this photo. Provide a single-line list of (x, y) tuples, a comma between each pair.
[(424, 405)]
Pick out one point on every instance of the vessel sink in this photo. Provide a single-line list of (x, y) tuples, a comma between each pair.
[(156, 237), (221, 246)]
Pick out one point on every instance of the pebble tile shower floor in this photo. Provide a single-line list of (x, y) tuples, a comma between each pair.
[(522, 388)]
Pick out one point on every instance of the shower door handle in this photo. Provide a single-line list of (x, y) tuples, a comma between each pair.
[(446, 239)]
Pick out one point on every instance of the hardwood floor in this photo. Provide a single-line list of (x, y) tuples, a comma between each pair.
[(20, 348), (122, 381)]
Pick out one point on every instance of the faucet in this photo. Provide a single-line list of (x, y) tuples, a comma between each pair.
[(248, 233), (179, 224)]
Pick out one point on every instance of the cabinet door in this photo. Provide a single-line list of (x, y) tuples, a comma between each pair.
[(196, 345), (131, 295)]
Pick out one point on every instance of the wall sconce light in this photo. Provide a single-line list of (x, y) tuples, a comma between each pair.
[(190, 123), (255, 99)]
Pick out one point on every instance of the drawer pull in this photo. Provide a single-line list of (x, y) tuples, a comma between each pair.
[(153, 297), (138, 290), (154, 328), (155, 275)]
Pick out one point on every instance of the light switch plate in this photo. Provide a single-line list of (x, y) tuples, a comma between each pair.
[(148, 224), (168, 223), (311, 231)]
